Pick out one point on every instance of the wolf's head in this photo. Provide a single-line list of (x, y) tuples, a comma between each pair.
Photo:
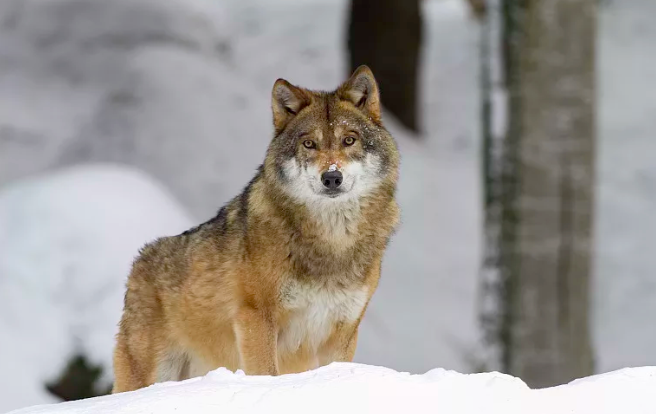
[(331, 146)]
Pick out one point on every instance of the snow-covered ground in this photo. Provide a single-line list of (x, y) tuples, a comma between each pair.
[(67, 243), (180, 90), (355, 388)]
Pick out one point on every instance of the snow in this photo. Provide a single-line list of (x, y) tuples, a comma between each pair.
[(625, 270), (357, 388), (67, 241), (182, 97), (145, 83)]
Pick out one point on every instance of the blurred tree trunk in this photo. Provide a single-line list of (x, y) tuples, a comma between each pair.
[(539, 190), (386, 36), (478, 8)]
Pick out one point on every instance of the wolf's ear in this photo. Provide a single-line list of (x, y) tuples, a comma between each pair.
[(287, 100), (362, 91)]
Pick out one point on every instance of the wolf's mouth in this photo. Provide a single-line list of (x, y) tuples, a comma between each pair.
[(332, 193)]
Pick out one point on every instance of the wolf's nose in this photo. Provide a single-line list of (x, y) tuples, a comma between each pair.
[(332, 179)]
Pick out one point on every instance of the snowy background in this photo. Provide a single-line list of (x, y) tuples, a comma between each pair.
[(127, 120)]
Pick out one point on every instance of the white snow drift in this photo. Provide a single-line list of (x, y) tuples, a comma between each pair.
[(353, 388), (67, 241)]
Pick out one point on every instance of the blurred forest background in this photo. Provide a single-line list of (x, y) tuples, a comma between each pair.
[(528, 179)]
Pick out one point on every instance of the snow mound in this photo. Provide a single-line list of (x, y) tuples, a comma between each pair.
[(356, 388), (67, 242), (146, 83)]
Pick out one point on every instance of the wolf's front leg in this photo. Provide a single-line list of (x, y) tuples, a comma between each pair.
[(256, 334), (346, 351), (340, 347)]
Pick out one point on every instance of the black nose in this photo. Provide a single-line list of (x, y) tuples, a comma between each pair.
[(332, 179)]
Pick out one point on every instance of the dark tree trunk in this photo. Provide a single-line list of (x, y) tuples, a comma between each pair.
[(541, 198), (386, 36), (478, 8)]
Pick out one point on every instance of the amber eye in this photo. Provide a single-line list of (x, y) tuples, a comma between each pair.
[(308, 143), (350, 140)]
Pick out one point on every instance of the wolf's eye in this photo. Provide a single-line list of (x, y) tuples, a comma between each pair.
[(309, 143), (350, 140)]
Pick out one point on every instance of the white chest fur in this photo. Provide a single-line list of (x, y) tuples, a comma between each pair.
[(313, 311)]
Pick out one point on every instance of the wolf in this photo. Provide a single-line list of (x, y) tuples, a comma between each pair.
[(278, 281)]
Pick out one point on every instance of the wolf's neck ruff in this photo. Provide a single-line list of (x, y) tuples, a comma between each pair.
[(339, 221)]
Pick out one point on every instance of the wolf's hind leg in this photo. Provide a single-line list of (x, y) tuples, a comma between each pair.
[(173, 365), (131, 370)]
